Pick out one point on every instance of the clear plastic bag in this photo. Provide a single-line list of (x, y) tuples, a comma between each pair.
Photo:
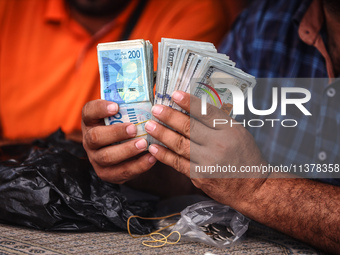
[(211, 223)]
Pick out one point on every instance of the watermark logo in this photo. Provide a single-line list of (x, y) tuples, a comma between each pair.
[(238, 99)]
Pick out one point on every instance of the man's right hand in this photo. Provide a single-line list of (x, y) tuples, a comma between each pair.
[(113, 163)]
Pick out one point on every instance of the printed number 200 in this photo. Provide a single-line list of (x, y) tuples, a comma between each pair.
[(134, 54)]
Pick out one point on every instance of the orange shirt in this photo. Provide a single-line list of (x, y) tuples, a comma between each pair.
[(48, 62)]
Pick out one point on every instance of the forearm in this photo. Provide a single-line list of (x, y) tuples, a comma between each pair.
[(302, 208)]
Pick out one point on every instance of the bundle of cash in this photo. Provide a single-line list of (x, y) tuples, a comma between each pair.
[(126, 77), (196, 68)]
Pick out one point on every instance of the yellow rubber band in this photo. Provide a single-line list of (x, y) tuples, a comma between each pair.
[(163, 240), (141, 122), (141, 135)]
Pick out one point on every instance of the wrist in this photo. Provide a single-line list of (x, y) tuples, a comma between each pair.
[(251, 191)]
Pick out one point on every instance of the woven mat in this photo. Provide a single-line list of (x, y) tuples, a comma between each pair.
[(258, 240)]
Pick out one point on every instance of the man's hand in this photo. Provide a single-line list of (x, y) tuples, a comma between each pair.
[(304, 209), (198, 143), (113, 163)]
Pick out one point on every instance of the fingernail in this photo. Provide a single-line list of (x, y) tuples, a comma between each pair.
[(177, 96), (156, 109), (150, 126), (131, 130), (153, 150), (152, 160), (112, 108), (141, 144)]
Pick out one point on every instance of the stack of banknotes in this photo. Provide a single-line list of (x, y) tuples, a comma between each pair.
[(126, 77)]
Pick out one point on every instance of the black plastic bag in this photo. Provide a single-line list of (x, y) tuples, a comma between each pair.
[(51, 185)]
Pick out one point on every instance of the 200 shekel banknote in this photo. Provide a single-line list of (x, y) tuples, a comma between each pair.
[(126, 71)]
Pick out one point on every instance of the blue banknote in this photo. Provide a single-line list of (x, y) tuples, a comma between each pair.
[(123, 75), (125, 69)]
